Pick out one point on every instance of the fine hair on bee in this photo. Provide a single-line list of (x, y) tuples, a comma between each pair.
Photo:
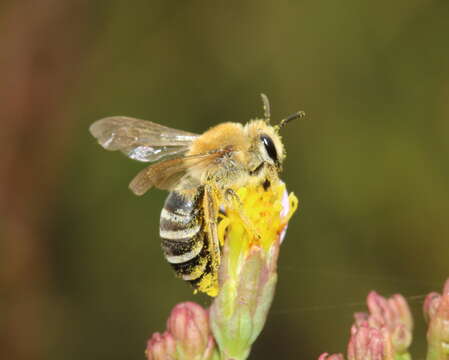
[(200, 171)]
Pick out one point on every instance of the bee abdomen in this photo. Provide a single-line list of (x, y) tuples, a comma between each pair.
[(183, 239)]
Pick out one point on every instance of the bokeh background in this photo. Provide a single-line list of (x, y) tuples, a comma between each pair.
[(82, 274)]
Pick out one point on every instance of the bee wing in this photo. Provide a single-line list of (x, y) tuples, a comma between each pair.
[(140, 139), (167, 174)]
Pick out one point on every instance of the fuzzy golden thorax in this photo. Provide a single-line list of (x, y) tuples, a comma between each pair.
[(256, 154)]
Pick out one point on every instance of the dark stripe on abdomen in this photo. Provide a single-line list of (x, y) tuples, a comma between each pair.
[(195, 267), (180, 204)]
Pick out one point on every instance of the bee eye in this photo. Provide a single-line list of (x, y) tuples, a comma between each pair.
[(269, 147)]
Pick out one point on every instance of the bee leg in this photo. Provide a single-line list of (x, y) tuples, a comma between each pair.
[(210, 208), (233, 199)]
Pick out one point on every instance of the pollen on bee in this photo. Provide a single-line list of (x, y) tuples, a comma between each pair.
[(208, 285)]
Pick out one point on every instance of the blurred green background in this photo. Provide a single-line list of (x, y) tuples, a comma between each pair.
[(83, 276)]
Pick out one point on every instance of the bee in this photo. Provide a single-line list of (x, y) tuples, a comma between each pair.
[(202, 173)]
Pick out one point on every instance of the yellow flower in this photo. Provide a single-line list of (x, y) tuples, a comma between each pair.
[(267, 211), (251, 237), (258, 221)]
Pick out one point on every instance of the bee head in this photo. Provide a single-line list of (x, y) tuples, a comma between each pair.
[(267, 148)]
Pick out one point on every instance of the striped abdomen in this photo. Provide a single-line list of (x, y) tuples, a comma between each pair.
[(184, 241)]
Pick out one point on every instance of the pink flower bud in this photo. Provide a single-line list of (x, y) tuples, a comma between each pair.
[(189, 325), (361, 319), (326, 356), (401, 310), (394, 316), (369, 343), (401, 338), (431, 305), (389, 312), (436, 309), (161, 347)]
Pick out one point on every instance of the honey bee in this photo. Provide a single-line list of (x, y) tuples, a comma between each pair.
[(202, 173)]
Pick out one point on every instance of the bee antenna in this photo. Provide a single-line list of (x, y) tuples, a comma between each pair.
[(266, 107), (296, 115)]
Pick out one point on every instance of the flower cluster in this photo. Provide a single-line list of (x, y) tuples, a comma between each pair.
[(386, 332)]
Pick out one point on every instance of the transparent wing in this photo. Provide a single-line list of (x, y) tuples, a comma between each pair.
[(140, 139), (167, 174)]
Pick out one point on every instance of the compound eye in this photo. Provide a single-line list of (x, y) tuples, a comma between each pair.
[(270, 148)]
